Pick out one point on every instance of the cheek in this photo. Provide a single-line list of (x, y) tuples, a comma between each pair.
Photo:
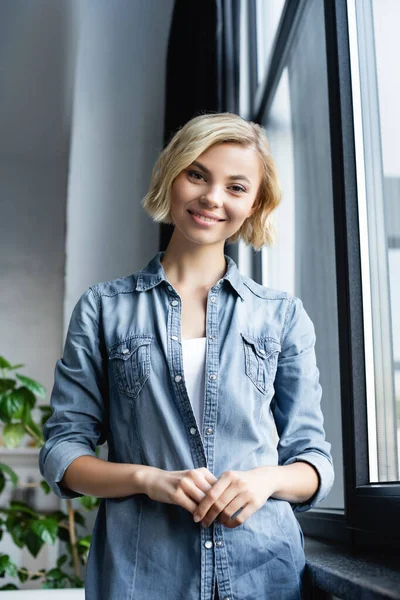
[(240, 214)]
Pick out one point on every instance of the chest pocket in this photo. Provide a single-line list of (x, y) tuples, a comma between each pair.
[(130, 363), (261, 359)]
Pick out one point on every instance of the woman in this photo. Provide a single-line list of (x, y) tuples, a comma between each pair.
[(205, 386)]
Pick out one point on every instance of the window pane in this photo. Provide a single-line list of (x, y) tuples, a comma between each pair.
[(268, 14), (377, 130), (303, 260)]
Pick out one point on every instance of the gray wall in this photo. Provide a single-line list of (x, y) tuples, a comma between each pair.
[(81, 124), (116, 135), (34, 142)]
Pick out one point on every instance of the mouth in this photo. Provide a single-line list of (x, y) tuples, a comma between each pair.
[(203, 218)]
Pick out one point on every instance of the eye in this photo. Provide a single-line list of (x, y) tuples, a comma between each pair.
[(194, 173), (239, 188)]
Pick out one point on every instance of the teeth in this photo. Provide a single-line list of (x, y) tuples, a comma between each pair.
[(204, 218)]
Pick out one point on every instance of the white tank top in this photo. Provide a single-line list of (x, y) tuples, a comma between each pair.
[(194, 361)]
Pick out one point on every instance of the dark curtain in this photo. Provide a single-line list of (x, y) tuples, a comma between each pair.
[(202, 68)]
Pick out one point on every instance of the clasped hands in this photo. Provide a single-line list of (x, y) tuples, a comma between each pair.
[(208, 498), (244, 491)]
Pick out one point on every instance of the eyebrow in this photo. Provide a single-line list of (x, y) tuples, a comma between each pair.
[(230, 177)]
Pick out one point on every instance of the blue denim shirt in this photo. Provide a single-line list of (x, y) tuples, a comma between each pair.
[(121, 379)]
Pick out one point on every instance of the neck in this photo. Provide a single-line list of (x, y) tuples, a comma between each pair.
[(194, 267)]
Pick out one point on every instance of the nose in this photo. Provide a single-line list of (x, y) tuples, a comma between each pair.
[(212, 197)]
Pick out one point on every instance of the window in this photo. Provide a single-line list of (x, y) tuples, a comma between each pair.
[(376, 85), (326, 90)]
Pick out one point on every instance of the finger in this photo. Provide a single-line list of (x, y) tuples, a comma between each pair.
[(195, 488), (219, 506), (244, 514), (203, 479), (210, 477), (231, 508), (210, 498), (185, 501)]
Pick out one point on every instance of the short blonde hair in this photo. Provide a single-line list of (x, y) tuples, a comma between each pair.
[(194, 138)]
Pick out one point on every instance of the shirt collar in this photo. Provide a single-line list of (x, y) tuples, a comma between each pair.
[(153, 273)]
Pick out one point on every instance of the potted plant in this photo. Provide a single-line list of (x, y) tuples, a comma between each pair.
[(26, 526)]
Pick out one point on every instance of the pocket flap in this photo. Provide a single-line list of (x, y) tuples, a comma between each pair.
[(263, 347), (124, 350)]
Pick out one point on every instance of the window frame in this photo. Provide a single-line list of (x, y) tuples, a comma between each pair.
[(371, 511)]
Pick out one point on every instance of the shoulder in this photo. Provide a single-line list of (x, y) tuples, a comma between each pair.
[(264, 292), (113, 287)]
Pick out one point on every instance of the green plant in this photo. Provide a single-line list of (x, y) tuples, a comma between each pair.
[(26, 526)]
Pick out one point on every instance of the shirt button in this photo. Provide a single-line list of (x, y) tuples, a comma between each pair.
[(213, 299), (174, 337), (227, 598), (209, 430), (125, 351), (178, 378), (174, 302), (213, 377), (193, 430), (211, 337), (169, 288), (208, 544), (262, 351), (218, 543)]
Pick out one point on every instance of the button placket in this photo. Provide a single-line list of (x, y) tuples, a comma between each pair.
[(177, 371)]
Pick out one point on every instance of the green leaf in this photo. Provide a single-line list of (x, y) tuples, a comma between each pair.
[(54, 574), (58, 515), (45, 486), (85, 541), (61, 560), (32, 385), (36, 429), (89, 502), (46, 529), (17, 529), (63, 535), (2, 482), (22, 576), (12, 474), (12, 404), (20, 506), (9, 586), (4, 364), (79, 519), (8, 566), (76, 582), (16, 367), (13, 434), (6, 385), (33, 543)]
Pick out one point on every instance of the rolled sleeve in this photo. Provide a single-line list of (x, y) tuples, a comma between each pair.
[(296, 405), (79, 399)]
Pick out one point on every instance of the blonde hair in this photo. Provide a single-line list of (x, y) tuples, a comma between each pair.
[(194, 138)]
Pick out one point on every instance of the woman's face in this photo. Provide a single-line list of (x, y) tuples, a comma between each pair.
[(221, 183)]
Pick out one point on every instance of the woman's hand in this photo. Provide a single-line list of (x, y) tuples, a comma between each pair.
[(185, 488), (235, 490)]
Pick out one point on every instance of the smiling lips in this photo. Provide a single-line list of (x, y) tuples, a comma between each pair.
[(203, 218)]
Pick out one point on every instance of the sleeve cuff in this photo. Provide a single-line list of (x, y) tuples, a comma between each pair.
[(56, 463), (326, 477)]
